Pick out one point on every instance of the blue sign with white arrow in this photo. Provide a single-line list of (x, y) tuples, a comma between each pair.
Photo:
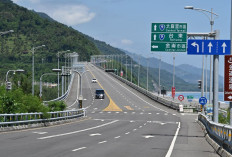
[(209, 47), (202, 100)]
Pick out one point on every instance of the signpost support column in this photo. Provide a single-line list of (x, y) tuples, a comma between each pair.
[(230, 54), (215, 84)]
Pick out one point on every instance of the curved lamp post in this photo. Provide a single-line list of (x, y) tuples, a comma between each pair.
[(216, 58), (33, 68), (14, 71)]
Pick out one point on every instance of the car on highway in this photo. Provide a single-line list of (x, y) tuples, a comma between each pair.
[(99, 94), (94, 80)]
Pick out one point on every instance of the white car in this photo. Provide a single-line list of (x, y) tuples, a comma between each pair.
[(94, 80)]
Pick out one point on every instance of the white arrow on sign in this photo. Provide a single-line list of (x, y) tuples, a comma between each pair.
[(224, 47), (210, 46), (196, 45), (148, 136), (155, 28), (230, 97), (155, 46)]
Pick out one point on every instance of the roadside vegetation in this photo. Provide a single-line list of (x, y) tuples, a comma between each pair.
[(20, 100)]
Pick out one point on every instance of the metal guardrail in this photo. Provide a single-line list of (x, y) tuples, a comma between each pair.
[(220, 133), (62, 97), (171, 104), (29, 118)]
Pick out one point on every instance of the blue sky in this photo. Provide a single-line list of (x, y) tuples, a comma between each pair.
[(126, 24)]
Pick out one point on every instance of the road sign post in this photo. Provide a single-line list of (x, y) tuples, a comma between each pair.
[(181, 97), (173, 92), (169, 37), (202, 101)]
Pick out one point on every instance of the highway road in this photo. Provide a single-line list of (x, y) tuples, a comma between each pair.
[(125, 124)]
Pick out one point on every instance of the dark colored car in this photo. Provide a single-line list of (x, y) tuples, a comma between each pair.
[(99, 94)]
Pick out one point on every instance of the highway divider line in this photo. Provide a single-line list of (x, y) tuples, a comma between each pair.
[(169, 153), (74, 132), (134, 93), (112, 105)]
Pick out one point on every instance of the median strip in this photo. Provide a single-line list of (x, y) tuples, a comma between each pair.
[(112, 106)]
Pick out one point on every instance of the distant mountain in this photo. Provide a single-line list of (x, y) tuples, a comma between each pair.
[(44, 16)]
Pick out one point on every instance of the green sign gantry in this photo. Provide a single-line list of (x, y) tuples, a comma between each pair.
[(169, 37)]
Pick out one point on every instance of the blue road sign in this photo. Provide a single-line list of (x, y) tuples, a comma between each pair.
[(202, 100), (209, 47)]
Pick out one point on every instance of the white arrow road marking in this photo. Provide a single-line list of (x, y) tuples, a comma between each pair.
[(224, 47), (196, 45), (148, 136), (210, 46), (97, 134), (74, 132)]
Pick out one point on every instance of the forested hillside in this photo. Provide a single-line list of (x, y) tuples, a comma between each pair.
[(32, 30)]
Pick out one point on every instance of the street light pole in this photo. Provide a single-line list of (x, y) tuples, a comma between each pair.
[(211, 57), (147, 71), (131, 69), (40, 85), (33, 68), (58, 77), (173, 72), (159, 74), (18, 70), (138, 70)]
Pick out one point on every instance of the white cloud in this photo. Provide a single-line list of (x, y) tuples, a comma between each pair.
[(126, 42), (72, 14)]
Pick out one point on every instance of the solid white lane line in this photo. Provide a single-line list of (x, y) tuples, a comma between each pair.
[(102, 142), (127, 133), (169, 153), (117, 137), (41, 133), (78, 149), (74, 132)]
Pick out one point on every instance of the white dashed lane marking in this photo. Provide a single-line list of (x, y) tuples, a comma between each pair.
[(78, 149), (102, 142)]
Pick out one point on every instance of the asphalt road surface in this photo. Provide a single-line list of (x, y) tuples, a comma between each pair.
[(124, 124)]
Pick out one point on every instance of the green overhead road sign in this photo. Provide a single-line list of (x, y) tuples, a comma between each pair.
[(169, 37), (168, 47)]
